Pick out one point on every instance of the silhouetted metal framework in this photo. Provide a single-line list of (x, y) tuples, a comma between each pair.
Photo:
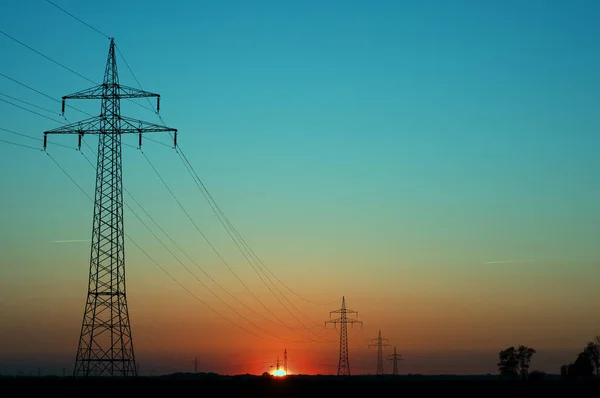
[(343, 320), (285, 361), (379, 343), (395, 357), (105, 345)]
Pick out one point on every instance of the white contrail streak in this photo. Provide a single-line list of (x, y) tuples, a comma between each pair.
[(70, 241)]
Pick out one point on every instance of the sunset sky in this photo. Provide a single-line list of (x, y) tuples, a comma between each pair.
[(435, 162)]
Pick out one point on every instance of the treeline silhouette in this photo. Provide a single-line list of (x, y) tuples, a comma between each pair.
[(514, 363)]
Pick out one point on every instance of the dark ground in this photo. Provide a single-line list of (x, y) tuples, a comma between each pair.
[(209, 385)]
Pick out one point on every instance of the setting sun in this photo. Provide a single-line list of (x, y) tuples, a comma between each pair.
[(279, 373)]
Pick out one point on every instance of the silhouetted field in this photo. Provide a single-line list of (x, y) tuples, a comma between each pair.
[(214, 385)]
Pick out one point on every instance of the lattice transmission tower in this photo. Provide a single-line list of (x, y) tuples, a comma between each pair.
[(105, 344), (343, 320), (285, 361), (395, 357), (379, 343)]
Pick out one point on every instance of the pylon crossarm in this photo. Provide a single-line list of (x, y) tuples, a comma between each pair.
[(131, 125), (86, 125), (100, 92), (350, 320), (88, 93), (131, 92), (94, 126)]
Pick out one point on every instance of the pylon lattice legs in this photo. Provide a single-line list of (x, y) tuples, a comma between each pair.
[(343, 320), (344, 362), (106, 346)]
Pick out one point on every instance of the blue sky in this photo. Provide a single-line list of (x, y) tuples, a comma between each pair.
[(339, 136)]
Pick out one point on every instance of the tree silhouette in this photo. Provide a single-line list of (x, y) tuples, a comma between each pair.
[(583, 368), (596, 354), (591, 350), (524, 355), (507, 366), (515, 361)]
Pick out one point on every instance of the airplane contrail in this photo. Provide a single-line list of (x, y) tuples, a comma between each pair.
[(508, 261), (70, 241)]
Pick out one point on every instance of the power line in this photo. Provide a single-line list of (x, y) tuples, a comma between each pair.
[(49, 118), (133, 74), (152, 259), (70, 178), (20, 145), (65, 67), (181, 263), (211, 199), (83, 191), (29, 110), (181, 249), (30, 104), (214, 249), (47, 110), (83, 22), (184, 252), (137, 81), (258, 266), (220, 214), (266, 284), (45, 56), (159, 143), (44, 94), (35, 138)]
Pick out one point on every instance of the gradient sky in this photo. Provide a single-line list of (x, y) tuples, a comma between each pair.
[(436, 162)]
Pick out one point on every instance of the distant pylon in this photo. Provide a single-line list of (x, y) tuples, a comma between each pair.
[(379, 344), (276, 364), (285, 360), (343, 320), (395, 357), (105, 343)]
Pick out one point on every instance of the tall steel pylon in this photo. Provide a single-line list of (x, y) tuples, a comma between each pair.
[(395, 357), (285, 361), (343, 320), (380, 343), (105, 344)]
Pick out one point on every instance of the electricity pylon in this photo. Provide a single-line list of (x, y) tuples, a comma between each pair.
[(285, 361), (105, 344), (343, 320), (276, 366), (395, 357), (379, 344)]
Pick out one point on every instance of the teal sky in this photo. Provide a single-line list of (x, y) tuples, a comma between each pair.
[(386, 150)]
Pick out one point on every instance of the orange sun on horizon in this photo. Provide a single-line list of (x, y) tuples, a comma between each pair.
[(279, 373)]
